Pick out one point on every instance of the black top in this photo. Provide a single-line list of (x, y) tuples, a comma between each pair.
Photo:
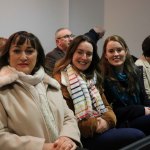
[(125, 105)]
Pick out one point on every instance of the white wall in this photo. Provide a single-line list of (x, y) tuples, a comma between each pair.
[(44, 17), (129, 19), (84, 15), (41, 17)]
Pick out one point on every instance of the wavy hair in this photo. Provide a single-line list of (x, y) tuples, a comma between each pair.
[(64, 62), (129, 67)]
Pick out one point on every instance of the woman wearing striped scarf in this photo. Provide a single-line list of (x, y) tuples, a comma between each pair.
[(80, 79)]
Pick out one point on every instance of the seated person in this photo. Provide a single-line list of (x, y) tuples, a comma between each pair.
[(63, 38), (144, 61), (33, 113), (79, 75), (123, 85)]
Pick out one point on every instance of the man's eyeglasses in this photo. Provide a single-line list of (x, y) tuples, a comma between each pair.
[(67, 36)]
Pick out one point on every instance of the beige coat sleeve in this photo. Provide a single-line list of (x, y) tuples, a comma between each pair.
[(11, 141)]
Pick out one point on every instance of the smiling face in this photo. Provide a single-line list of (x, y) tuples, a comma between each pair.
[(23, 57), (82, 57), (115, 53)]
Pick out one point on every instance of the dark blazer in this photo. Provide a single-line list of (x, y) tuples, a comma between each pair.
[(56, 54), (93, 35), (51, 59)]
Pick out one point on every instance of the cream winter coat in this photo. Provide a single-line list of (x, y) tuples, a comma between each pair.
[(22, 125), (146, 73)]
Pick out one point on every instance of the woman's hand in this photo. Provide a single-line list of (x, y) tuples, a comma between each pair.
[(102, 125), (62, 143), (147, 110)]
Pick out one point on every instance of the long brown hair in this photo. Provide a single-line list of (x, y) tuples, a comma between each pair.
[(61, 65), (2, 44), (129, 67)]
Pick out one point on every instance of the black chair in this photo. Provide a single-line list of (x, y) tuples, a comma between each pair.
[(143, 144)]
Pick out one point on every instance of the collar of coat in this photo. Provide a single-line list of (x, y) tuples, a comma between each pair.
[(9, 75)]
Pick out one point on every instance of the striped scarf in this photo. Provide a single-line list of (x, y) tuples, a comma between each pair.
[(86, 98)]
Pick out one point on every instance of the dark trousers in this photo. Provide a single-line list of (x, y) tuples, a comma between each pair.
[(112, 139), (142, 123), (80, 148)]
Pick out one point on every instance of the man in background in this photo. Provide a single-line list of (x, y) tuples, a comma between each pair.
[(63, 38)]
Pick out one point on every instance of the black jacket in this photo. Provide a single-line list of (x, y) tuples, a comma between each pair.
[(126, 111)]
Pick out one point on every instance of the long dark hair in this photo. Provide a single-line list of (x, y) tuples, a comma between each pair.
[(129, 67), (61, 65), (19, 38)]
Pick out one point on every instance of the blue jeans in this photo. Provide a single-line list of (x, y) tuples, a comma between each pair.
[(113, 139)]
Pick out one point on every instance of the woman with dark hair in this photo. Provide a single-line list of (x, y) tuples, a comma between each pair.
[(30, 115), (2, 43), (79, 75), (18, 39), (123, 85), (144, 61)]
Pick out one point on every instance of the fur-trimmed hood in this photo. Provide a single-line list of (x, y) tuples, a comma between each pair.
[(9, 75)]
